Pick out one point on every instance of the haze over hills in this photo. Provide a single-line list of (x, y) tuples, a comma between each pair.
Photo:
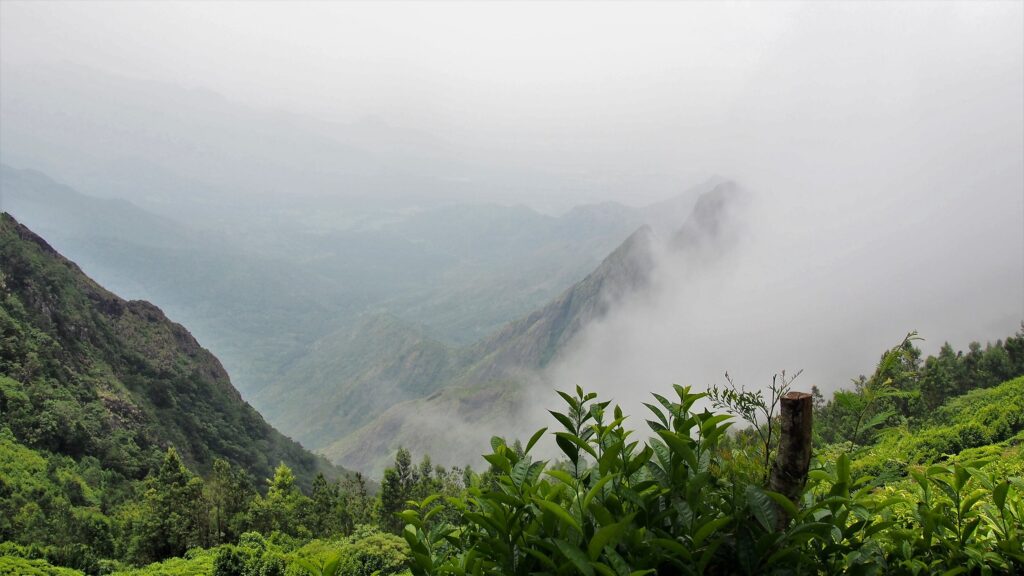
[(194, 155), (87, 373), (221, 290), (305, 252), (492, 381), (301, 309), (461, 290)]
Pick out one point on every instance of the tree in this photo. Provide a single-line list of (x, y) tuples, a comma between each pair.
[(995, 366), (396, 488), (327, 513), (358, 504), (284, 508), (229, 492), (173, 514), (940, 377)]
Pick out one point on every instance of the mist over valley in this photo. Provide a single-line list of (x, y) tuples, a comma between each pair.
[(264, 258)]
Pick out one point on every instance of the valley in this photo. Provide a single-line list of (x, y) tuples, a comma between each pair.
[(511, 288)]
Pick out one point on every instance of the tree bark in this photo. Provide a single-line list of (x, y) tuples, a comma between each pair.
[(789, 472)]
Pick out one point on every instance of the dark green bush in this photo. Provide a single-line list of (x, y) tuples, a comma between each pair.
[(232, 561)]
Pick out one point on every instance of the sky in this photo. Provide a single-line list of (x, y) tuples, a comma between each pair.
[(453, 64), (655, 92), (883, 142)]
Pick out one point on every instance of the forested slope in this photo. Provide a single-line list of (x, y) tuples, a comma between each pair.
[(85, 373)]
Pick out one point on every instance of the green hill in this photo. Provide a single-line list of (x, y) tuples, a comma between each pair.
[(84, 373), (981, 423)]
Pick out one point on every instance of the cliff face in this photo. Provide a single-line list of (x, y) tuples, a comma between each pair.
[(87, 373)]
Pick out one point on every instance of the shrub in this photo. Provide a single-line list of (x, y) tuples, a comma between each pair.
[(663, 506), (17, 566), (369, 553)]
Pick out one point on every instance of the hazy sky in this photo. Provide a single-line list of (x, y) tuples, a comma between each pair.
[(886, 135), (676, 89)]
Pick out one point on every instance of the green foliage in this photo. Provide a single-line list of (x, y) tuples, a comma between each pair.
[(16, 566), (85, 373), (367, 552), (284, 509), (53, 508), (228, 491), (755, 410), (172, 516), (54, 504), (196, 562), (903, 391), (404, 482), (327, 512), (987, 417), (621, 507), (370, 552), (395, 489), (233, 561), (613, 511)]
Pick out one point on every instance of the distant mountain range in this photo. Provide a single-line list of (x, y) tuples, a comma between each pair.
[(86, 373), (485, 383), (326, 329)]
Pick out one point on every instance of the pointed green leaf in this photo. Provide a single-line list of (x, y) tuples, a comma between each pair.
[(709, 528), (576, 556), (559, 513), (761, 506), (533, 439), (604, 537), (596, 489)]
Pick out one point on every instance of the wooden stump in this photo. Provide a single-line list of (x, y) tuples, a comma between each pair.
[(789, 472)]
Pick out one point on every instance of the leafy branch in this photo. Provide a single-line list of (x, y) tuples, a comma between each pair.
[(752, 407), (879, 387)]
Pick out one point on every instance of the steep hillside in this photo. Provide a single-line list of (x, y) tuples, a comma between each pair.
[(363, 318), (532, 341), (408, 389), (86, 373), (498, 370)]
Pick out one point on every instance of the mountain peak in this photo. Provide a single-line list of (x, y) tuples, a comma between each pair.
[(707, 223)]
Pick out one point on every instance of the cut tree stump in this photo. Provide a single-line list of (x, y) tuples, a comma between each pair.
[(789, 472)]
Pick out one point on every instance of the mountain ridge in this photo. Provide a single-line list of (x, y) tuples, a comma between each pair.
[(506, 365), (128, 381)]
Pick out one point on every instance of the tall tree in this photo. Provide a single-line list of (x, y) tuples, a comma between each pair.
[(327, 512), (940, 377), (396, 488), (173, 514), (284, 508), (229, 491)]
